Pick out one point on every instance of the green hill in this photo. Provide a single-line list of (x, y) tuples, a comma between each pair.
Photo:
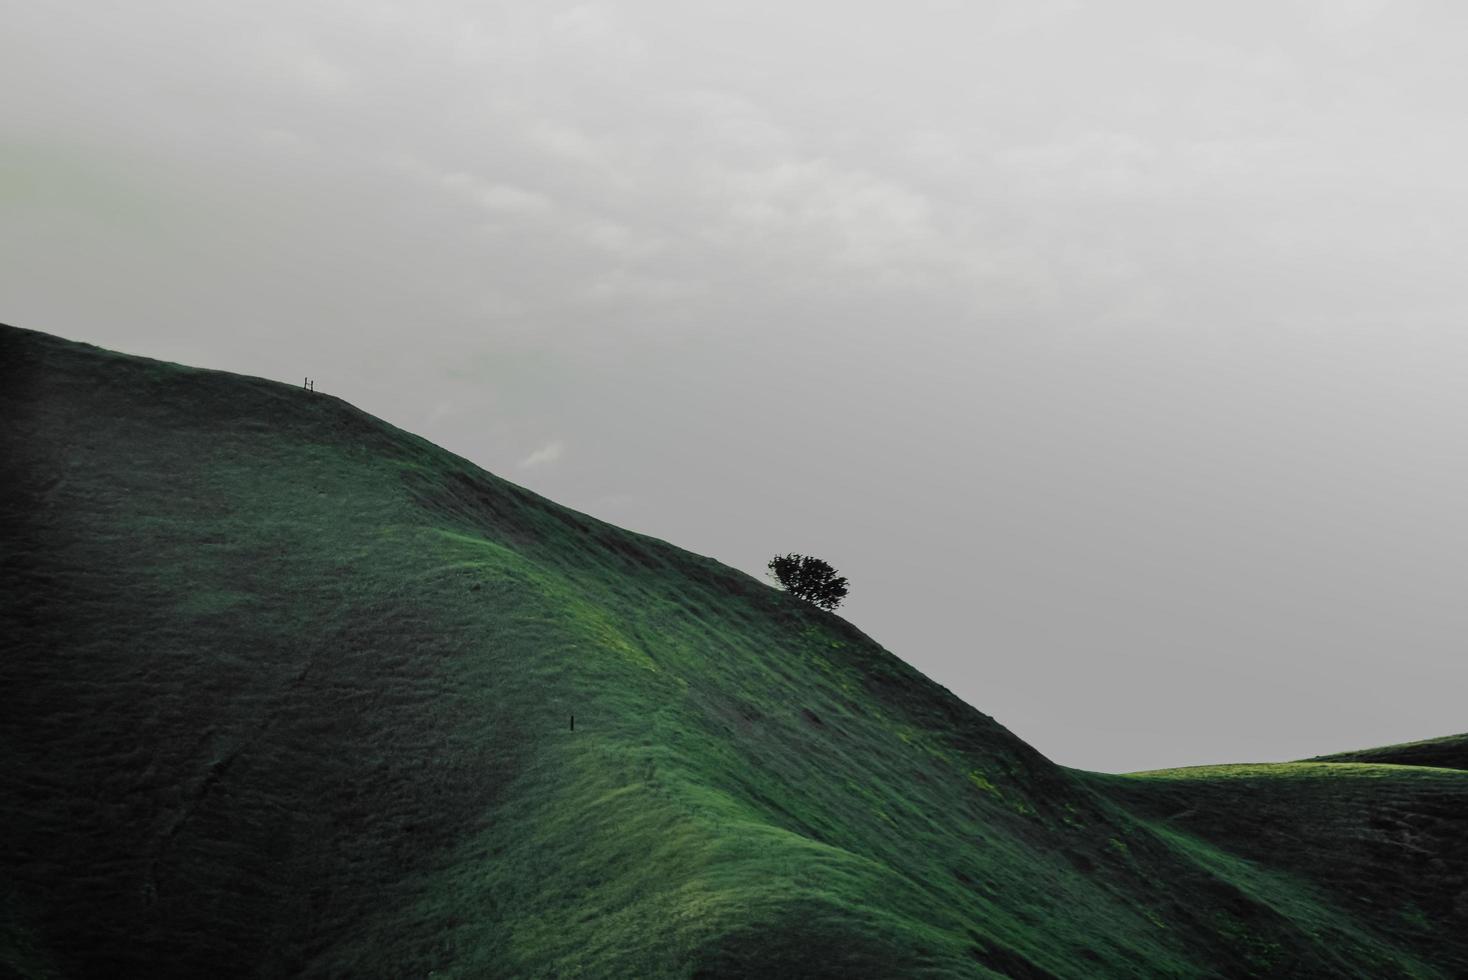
[(287, 691), (1444, 753)]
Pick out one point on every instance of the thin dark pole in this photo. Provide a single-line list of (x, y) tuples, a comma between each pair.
[(573, 723)]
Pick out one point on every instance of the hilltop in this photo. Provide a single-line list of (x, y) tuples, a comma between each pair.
[(1450, 752), (287, 690)]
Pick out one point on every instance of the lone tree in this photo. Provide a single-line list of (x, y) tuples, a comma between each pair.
[(810, 579)]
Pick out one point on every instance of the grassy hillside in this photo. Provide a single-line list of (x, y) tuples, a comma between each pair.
[(1450, 752), (286, 691), (1386, 844)]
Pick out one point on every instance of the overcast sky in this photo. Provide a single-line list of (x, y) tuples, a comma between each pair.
[(1116, 352)]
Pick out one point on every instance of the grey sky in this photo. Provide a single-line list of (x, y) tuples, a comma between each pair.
[(1115, 351)]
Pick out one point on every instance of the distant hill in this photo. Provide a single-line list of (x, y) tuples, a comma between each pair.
[(1450, 752), (286, 691)]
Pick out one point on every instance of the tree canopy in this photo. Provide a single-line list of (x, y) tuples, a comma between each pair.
[(809, 578)]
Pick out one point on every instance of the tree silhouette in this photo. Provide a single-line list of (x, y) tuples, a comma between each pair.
[(810, 579)]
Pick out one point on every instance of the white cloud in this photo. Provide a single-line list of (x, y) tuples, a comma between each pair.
[(854, 218), (1342, 18), (617, 239), (595, 30), (1089, 164), (730, 123), (548, 453), (497, 197), (620, 289), (1112, 233)]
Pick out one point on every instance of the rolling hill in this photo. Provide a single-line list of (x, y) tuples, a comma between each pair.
[(287, 691), (1444, 753)]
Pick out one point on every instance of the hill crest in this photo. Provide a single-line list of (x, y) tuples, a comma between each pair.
[(288, 693)]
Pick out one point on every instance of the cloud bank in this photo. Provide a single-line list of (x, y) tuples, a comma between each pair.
[(1115, 353)]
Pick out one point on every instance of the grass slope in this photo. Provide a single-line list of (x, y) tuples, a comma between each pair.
[(1385, 846), (286, 692), (1450, 752)]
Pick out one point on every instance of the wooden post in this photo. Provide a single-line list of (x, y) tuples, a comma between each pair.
[(573, 723)]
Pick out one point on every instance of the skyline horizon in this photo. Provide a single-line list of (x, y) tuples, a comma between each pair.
[(1114, 354), (767, 580)]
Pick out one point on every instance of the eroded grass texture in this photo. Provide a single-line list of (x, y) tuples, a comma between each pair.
[(286, 692)]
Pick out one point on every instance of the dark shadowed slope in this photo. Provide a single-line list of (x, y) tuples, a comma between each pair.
[(1450, 752), (1387, 843), (286, 691)]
